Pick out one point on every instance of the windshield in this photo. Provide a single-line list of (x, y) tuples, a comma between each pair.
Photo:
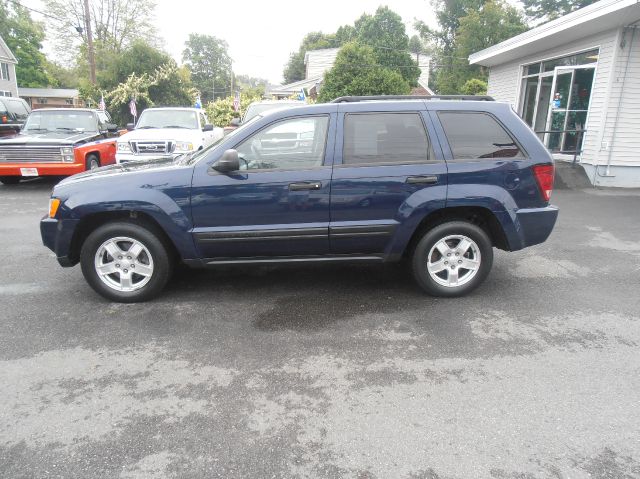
[(258, 108), (56, 120), (193, 157), (168, 119)]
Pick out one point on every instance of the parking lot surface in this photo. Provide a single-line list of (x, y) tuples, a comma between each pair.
[(328, 371)]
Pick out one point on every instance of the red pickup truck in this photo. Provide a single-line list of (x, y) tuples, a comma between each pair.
[(58, 142)]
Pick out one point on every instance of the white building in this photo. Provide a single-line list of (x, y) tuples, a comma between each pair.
[(578, 72), (318, 62), (8, 83)]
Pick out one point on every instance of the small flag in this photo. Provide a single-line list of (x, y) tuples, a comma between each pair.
[(198, 103), (301, 95), (132, 107), (236, 101), (102, 105)]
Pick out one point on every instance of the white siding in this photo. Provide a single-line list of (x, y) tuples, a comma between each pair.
[(625, 103), (504, 83), (319, 61), (10, 85)]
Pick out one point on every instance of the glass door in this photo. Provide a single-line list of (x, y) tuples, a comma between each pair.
[(568, 107)]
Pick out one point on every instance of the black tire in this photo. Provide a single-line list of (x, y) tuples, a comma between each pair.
[(91, 162), (419, 260), (158, 250), (10, 180)]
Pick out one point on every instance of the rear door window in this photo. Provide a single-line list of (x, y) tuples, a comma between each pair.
[(385, 138), (476, 135)]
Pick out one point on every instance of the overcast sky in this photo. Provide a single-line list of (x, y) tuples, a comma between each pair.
[(262, 34)]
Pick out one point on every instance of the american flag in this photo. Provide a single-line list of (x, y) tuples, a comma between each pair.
[(102, 105), (132, 107), (236, 100)]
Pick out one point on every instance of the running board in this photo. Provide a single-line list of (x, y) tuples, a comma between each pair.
[(292, 259)]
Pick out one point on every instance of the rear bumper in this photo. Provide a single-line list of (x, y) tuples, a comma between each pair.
[(534, 225), (44, 169), (57, 236)]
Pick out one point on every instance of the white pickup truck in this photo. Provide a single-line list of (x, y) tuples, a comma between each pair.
[(166, 133)]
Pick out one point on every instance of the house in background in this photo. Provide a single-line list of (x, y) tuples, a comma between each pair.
[(51, 98), (576, 80), (318, 62), (8, 83)]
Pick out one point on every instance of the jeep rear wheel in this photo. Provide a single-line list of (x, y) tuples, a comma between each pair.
[(452, 259), (125, 262)]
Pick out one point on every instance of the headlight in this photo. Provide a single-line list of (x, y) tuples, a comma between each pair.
[(67, 153), (124, 147), (184, 146)]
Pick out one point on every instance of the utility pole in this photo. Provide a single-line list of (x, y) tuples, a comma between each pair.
[(92, 59)]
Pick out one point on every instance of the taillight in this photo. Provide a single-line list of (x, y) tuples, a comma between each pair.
[(544, 177)]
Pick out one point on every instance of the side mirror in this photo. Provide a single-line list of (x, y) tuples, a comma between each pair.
[(229, 162), (130, 126), (207, 128), (111, 127), (235, 122)]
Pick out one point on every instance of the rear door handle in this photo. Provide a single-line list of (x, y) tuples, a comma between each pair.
[(311, 185), (422, 180)]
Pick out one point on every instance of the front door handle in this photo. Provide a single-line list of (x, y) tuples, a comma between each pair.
[(422, 180), (311, 185)]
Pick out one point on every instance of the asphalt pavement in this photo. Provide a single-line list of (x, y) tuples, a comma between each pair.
[(328, 371)]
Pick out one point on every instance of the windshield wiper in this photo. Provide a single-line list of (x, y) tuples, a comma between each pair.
[(36, 129), (145, 127), (66, 128), (176, 126)]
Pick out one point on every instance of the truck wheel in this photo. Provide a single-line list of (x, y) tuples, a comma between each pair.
[(10, 180), (452, 259), (125, 262), (92, 162)]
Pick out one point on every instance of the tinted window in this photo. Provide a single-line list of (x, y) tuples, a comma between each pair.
[(290, 144), (477, 135), (385, 138)]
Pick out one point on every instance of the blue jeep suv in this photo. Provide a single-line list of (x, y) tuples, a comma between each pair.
[(439, 181)]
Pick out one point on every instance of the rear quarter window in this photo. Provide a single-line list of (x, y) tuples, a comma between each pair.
[(477, 135)]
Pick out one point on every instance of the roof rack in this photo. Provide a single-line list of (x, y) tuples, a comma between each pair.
[(355, 99)]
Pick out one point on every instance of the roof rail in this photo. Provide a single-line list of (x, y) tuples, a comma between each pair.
[(355, 99)]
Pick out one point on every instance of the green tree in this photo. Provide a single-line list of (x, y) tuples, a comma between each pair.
[(357, 72), (474, 86), (208, 60), (550, 9), (116, 24), (479, 28), (145, 72), (385, 33), (24, 38)]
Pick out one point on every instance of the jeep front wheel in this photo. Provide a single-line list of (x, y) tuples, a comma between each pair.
[(125, 262), (452, 259)]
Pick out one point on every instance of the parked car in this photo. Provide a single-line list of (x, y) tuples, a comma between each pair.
[(440, 183), (58, 142), (13, 114), (167, 133)]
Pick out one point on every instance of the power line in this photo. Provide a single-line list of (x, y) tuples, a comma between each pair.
[(37, 11)]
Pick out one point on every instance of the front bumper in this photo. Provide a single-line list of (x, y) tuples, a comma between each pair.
[(131, 158), (44, 169), (534, 225), (57, 235)]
